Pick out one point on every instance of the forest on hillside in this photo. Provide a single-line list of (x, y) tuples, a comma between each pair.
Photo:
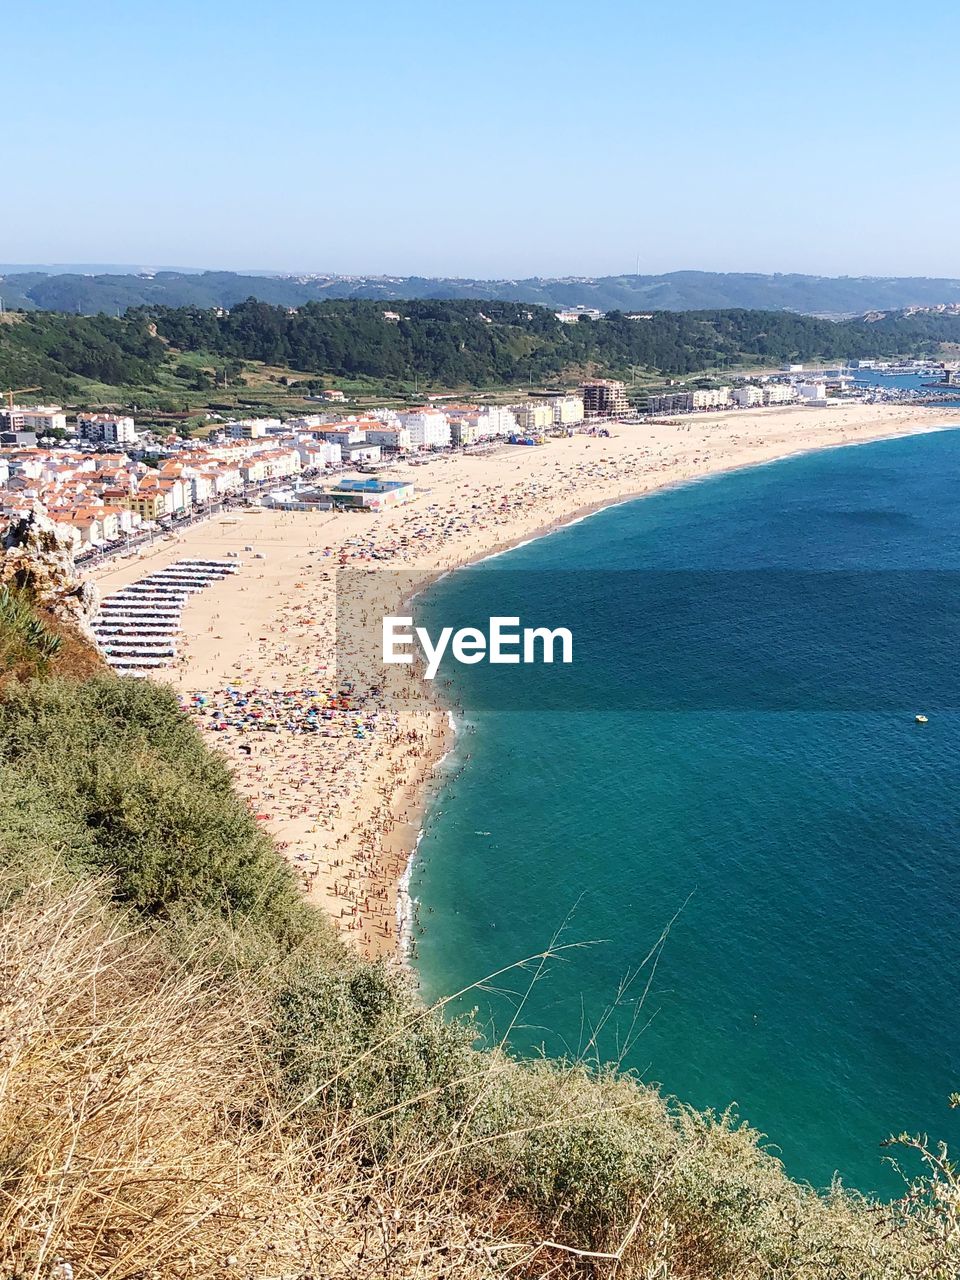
[(51, 351), (444, 344), (452, 343)]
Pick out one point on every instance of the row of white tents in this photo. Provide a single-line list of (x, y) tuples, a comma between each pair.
[(137, 627)]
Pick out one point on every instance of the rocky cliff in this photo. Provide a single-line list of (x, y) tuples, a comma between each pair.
[(38, 558)]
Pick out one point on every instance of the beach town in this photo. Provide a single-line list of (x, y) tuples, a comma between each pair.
[(244, 604)]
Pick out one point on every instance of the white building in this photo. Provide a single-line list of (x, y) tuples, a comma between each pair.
[(748, 397), (201, 485), (343, 433), (464, 429), (364, 451), (389, 417), (429, 429), (278, 464), (315, 454), (779, 393), (535, 418), (394, 439), (41, 418), (223, 478), (711, 398), (306, 422), (571, 315), (252, 429), (568, 411), (812, 390), (491, 423), (28, 466), (496, 420), (106, 428)]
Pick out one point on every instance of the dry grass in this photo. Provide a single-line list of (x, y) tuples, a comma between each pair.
[(77, 658), (213, 1087), (122, 1082), (146, 1131), (70, 654), (137, 1132)]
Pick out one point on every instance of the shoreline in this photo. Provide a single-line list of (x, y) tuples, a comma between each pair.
[(353, 813), (407, 905)]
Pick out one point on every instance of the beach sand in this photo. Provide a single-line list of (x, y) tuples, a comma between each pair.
[(346, 809)]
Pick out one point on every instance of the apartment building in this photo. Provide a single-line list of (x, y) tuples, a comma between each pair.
[(342, 433), (711, 398), (392, 439), (464, 429), (428, 428), (316, 454), (779, 393), (253, 429), (747, 397), (41, 418), (605, 398), (568, 411), (106, 428), (535, 419), (669, 403), (812, 390)]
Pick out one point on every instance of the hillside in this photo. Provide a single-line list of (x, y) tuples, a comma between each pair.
[(183, 355), (197, 1079), (90, 290)]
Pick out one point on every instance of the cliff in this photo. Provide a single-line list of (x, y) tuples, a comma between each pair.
[(38, 559)]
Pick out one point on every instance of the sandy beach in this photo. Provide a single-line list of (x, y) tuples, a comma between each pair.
[(345, 802)]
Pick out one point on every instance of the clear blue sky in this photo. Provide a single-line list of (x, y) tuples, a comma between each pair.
[(502, 138)]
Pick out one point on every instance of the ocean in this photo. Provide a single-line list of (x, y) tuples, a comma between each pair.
[(723, 811)]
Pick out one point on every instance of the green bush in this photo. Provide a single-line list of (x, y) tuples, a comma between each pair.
[(24, 639), (351, 1039), (110, 774)]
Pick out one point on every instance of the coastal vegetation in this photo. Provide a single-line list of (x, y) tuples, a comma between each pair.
[(197, 1078), (25, 639), (188, 357), (56, 352)]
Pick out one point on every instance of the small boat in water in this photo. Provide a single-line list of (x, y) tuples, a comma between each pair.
[(921, 719)]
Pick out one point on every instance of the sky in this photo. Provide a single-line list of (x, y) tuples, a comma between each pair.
[(495, 139)]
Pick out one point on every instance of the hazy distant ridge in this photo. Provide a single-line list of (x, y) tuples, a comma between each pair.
[(57, 290)]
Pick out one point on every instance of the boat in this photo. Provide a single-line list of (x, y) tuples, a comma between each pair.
[(921, 719)]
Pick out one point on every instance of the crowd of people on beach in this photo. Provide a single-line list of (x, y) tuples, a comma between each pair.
[(338, 775)]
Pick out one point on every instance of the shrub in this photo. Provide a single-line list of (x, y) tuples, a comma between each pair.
[(26, 642), (109, 772)]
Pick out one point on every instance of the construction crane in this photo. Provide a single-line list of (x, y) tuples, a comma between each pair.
[(18, 391)]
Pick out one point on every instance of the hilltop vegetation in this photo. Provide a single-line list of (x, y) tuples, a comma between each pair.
[(675, 291), (186, 351), (467, 343), (55, 351), (197, 1079)]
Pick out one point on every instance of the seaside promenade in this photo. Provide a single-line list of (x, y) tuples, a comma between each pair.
[(342, 787)]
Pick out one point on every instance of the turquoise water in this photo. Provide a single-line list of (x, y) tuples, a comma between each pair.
[(803, 845)]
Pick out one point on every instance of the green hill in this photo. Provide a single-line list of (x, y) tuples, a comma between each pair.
[(433, 344)]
